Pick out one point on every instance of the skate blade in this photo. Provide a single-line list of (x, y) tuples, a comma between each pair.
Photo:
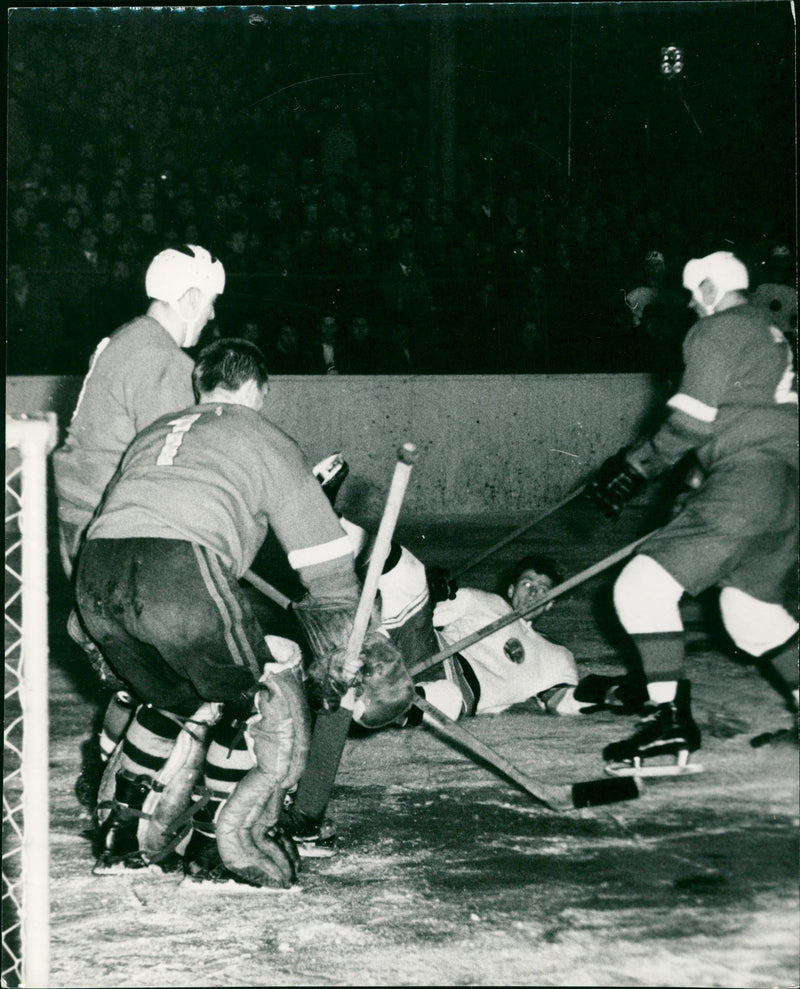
[(624, 769), (231, 886), (316, 852), (638, 768), (121, 869)]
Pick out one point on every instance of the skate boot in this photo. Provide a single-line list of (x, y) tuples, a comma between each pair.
[(87, 783), (314, 839), (668, 735), (116, 843), (204, 869)]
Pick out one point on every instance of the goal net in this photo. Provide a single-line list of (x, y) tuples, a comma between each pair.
[(26, 814)]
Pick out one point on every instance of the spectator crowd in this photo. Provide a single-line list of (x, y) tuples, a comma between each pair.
[(304, 161)]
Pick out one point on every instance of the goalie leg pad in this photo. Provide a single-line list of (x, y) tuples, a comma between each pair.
[(167, 819), (279, 735)]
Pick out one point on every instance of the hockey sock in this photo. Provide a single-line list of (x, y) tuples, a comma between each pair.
[(662, 691), (327, 744), (662, 655), (228, 760), (148, 741), (118, 716)]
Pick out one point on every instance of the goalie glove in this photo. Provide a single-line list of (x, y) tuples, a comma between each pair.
[(615, 484), (384, 689), (327, 626)]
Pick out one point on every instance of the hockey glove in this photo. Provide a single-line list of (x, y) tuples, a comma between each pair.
[(327, 625), (615, 484), (384, 689), (440, 586), (331, 473)]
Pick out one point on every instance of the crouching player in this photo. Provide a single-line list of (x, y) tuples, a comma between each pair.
[(157, 589)]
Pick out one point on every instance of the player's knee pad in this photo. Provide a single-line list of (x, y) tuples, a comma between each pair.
[(119, 714), (278, 737), (646, 597), (755, 626), (385, 690)]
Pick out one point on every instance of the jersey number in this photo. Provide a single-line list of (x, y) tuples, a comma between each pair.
[(180, 427)]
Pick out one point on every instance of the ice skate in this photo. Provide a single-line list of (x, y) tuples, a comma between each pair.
[(204, 869), (313, 840), (662, 744)]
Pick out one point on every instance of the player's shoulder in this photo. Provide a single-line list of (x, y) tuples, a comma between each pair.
[(139, 336), (728, 328)]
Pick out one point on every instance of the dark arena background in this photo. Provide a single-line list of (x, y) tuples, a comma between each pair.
[(462, 226)]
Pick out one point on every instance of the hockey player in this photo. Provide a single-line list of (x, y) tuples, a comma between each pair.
[(736, 408), (422, 611), (157, 588), (136, 374), (516, 663)]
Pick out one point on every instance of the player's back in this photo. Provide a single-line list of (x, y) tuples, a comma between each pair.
[(135, 375), (211, 474)]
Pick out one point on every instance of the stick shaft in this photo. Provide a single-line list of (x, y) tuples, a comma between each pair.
[(425, 664), (517, 533), (558, 797), (380, 550), (554, 797), (267, 589)]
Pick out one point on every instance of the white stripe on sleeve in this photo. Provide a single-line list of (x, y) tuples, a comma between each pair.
[(321, 553), (693, 407)]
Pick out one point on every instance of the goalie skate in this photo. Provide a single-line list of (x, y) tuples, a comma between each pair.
[(662, 744)]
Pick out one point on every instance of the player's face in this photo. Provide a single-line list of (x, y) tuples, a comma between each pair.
[(530, 588)]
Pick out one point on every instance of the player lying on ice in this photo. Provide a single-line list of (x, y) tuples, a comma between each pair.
[(158, 590), (424, 612)]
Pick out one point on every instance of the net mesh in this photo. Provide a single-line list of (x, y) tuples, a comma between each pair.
[(25, 906)]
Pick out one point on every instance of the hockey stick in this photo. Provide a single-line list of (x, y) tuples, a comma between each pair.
[(516, 533), (266, 589), (406, 457), (425, 664), (331, 728), (559, 798)]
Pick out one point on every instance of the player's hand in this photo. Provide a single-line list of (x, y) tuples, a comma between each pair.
[(441, 586), (615, 484)]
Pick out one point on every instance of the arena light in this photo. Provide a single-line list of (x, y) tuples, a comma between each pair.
[(672, 62)]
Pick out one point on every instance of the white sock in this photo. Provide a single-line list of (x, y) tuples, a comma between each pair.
[(662, 691)]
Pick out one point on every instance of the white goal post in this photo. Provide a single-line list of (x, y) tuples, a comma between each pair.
[(26, 808)]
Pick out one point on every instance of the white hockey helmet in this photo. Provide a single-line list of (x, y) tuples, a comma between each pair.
[(723, 268), (174, 271)]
